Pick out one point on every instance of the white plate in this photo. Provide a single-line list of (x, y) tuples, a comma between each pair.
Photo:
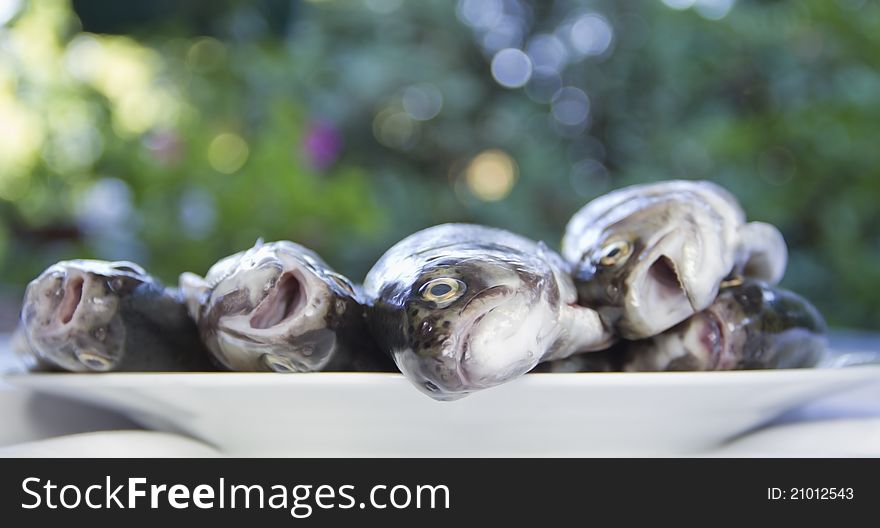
[(360, 414)]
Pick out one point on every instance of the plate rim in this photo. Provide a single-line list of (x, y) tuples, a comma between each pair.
[(371, 379)]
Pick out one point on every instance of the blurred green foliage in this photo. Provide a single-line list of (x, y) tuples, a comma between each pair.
[(175, 135)]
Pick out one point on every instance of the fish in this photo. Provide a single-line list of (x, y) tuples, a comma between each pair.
[(101, 316), (278, 307), (463, 307), (649, 256), (751, 325)]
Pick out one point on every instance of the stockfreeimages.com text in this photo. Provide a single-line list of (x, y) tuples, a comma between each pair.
[(300, 500)]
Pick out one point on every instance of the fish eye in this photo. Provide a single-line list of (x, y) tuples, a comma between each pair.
[(123, 283), (614, 253), (117, 284), (442, 290)]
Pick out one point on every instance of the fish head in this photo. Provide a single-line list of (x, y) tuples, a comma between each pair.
[(768, 327), (472, 323), (275, 307), (652, 269), (70, 315), (749, 325)]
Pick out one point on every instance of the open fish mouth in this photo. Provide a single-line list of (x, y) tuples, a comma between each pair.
[(79, 292), (72, 293), (490, 340), (284, 301), (712, 335), (444, 374), (56, 301), (667, 282), (270, 316), (659, 296), (464, 349)]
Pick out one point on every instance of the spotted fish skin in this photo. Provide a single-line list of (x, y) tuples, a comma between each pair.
[(100, 316), (749, 326), (649, 256), (279, 307), (462, 308)]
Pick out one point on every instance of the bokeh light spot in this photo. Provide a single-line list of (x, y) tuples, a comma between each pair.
[(713, 9), (21, 135), (589, 178), (491, 175), (395, 128), (197, 212), (507, 33), (166, 147), (205, 55), (106, 204), (322, 144), (8, 10), (591, 35), (571, 106), (480, 14), (547, 52), (228, 153), (422, 101), (679, 4), (511, 68)]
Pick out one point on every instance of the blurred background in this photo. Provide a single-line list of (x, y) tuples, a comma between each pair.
[(175, 133)]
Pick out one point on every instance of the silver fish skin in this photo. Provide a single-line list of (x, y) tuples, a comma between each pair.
[(279, 307), (464, 307), (749, 326), (100, 316), (649, 256)]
